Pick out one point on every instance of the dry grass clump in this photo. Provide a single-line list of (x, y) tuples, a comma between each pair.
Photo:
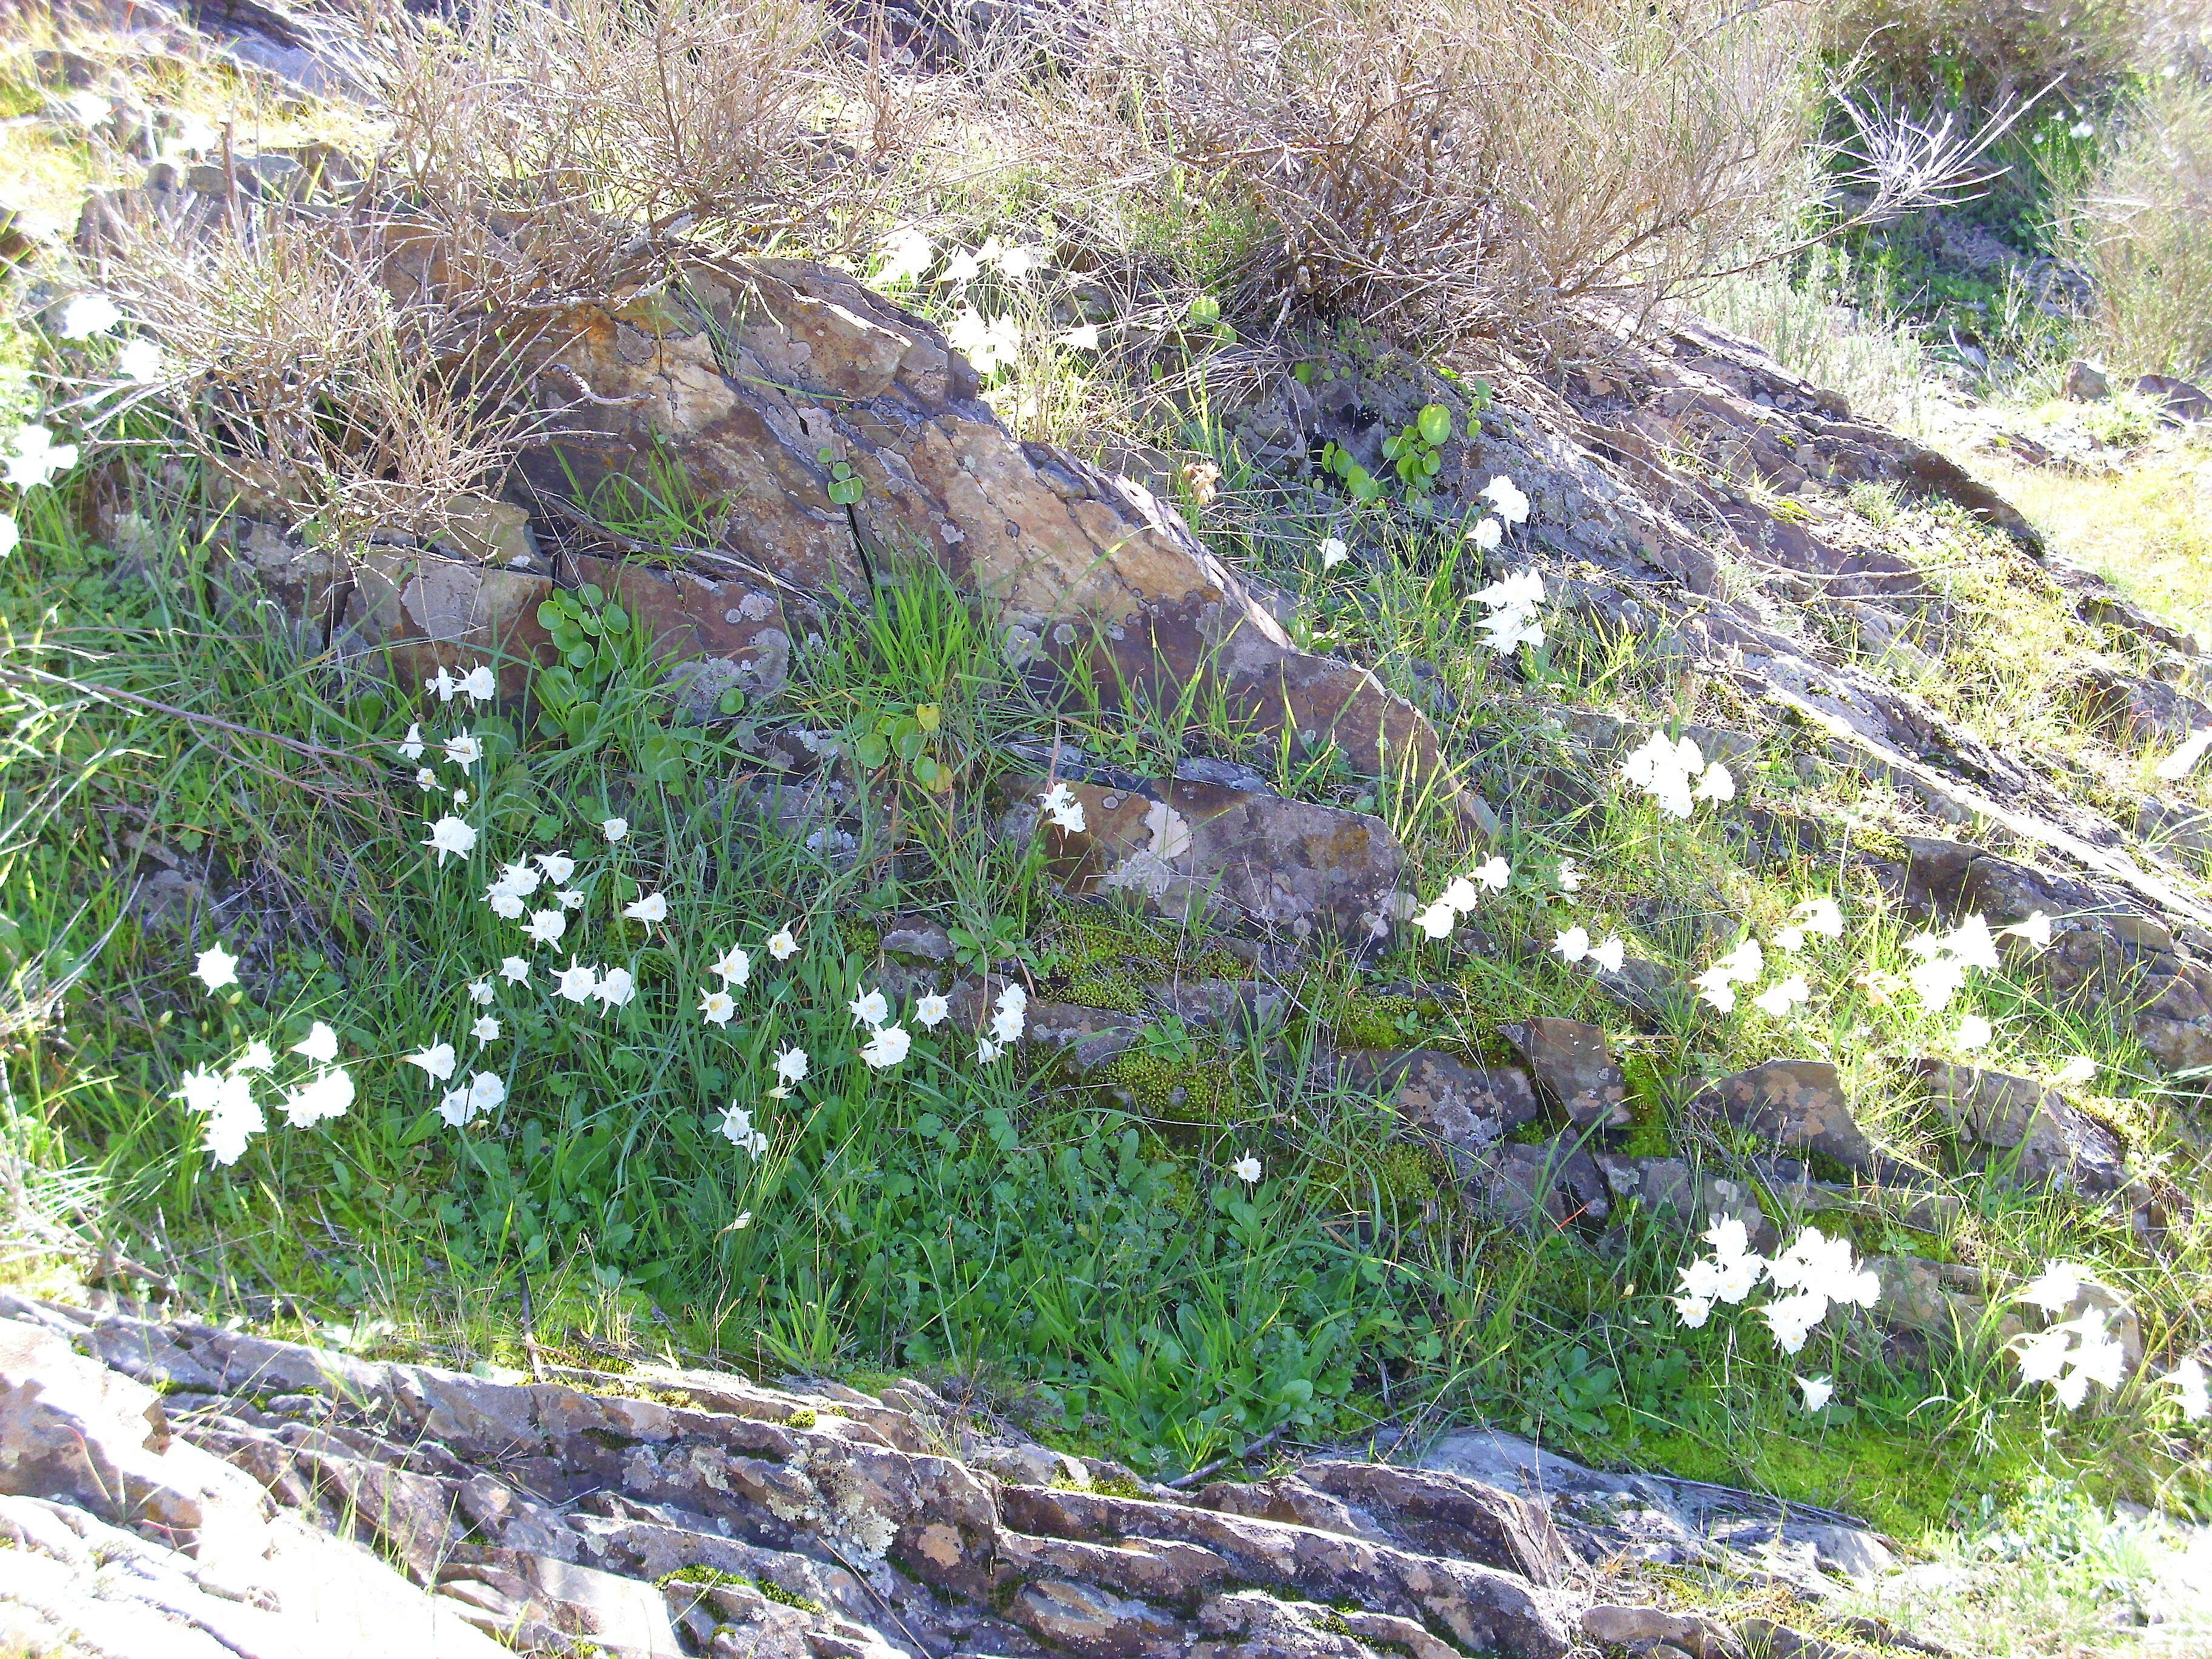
[(1454, 170), (2143, 231)]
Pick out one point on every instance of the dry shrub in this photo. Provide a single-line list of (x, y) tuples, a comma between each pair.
[(1454, 169), (303, 383), (356, 361), (2143, 231), (731, 123)]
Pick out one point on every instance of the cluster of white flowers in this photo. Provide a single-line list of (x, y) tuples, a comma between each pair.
[(1461, 897), (1512, 622), (738, 1128), (1676, 774), (1574, 945), (233, 1112), (1947, 958), (33, 459), (907, 256), (1511, 507), (1815, 1273), (1747, 963), (1060, 805)]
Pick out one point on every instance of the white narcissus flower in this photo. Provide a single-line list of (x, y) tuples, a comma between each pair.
[(1790, 940), (1461, 893), (930, 1010), (1571, 877), (961, 268), (1333, 552), (518, 878), (1573, 945), (570, 898), (2188, 1382), (508, 907), (904, 256), (426, 779), (1246, 1170), (215, 968), (576, 983), (987, 1051), (325, 1095), (791, 1065), (460, 799), (2035, 931), (464, 749), (455, 1107), (1818, 1391), (1083, 337), (2055, 1289), (1823, 916), (2076, 1071), (652, 908), (1060, 805), (1488, 534), (716, 1007), (443, 684), (411, 746), (1718, 784), (37, 458), (558, 867), (451, 834), (481, 994), (1494, 875), (869, 1008), (481, 684), (11, 536), (258, 1057), (617, 989), (546, 927), (614, 828), (320, 1044), (1512, 506), (1437, 921), (514, 969), (737, 1127), (887, 1047), (1974, 1032), (1610, 954), (486, 1028), (783, 944), (735, 968), (437, 1060), (88, 315), (1779, 998), (140, 361), (487, 1091)]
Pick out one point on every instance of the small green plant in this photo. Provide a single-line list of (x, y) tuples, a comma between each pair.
[(847, 487), (906, 737), (1573, 1390)]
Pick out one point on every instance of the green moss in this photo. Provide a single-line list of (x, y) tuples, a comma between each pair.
[(1411, 1175), (775, 1592), (1181, 1089), (1367, 1021), (804, 1417), (1099, 960), (698, 1572)]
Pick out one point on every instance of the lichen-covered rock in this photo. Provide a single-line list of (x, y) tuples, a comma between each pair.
[(1469, 1108), (2053, 1141), (1283, 871), (1573, 1068), (1794, 1103)]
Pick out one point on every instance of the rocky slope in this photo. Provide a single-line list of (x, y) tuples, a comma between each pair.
[(179, 1489)]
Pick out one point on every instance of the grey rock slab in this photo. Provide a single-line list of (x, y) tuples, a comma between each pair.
[(1573, 1067), (1284, 872), (1648, 1517), (2051, 1140), (1557, 1180), (1442, 1514), (1479, 1607), (1793, 1103), (1469, 1108)]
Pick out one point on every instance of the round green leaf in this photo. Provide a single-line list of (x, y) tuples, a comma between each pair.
[(1436, 423)]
